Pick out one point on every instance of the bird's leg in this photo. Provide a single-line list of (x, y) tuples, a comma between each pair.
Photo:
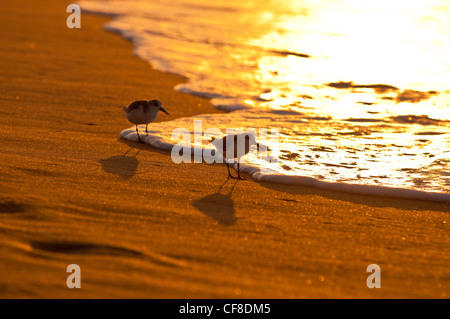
[(146, 129), (139, 138), (239, 174), (229, 173)]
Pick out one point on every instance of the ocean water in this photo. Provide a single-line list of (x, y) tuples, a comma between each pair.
[(359, 91)]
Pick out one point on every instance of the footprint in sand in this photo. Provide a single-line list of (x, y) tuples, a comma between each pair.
[(11, 207)]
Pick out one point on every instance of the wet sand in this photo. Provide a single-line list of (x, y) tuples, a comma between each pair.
[(138, 225)]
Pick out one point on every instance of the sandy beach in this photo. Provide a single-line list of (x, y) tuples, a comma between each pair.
[(139, 225)]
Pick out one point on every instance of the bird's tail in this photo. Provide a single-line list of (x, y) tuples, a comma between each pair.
[(124, 108)]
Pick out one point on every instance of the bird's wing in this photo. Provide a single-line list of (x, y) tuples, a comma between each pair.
[(135, 105)]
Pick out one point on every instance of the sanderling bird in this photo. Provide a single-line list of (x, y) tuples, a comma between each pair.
[(233, 147), (143, 112)]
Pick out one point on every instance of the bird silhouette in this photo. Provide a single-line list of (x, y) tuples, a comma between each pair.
[(143, 112), (233, 147)]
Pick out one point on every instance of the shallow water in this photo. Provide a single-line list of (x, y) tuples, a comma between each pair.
[(359, 91)]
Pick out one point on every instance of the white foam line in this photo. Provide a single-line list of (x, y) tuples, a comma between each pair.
[(255, 173), (152, 140), (347, 188), (157, 142)]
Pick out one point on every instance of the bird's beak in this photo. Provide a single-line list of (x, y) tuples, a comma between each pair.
[(164, 111)]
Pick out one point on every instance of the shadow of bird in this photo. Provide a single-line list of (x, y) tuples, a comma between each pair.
[(218, 206), (121, 165)]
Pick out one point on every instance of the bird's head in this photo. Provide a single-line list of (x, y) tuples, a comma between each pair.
[(217, 141), (213, 140), (157, 104)]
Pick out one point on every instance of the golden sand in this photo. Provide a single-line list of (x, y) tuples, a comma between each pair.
[(139, 225)]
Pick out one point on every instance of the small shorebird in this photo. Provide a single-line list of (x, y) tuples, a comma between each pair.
[(143, 112), (233, 147)]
